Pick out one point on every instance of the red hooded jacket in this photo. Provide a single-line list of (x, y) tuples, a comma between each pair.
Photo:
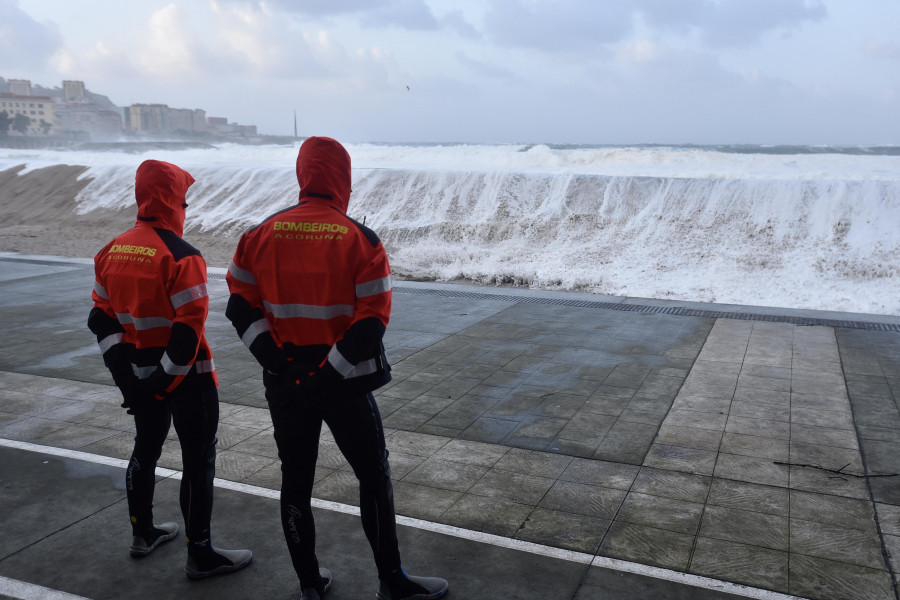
[(311, 284), (150, 295)]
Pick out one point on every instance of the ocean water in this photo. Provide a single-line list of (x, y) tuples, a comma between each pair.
[(796, 227)]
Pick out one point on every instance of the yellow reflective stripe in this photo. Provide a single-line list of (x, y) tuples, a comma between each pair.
[(189, 295), (308, 311), (371, 288)]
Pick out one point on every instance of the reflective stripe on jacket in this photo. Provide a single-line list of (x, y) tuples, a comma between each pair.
[(311, 283), (150, 291)]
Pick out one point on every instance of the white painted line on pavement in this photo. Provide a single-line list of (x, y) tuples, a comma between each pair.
[(22, 590), (613, 564)]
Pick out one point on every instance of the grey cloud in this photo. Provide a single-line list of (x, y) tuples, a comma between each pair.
[(731, 23), (558, 26), (25, 43), (485, 69), (457, 23), (405, 14), (590, 24)]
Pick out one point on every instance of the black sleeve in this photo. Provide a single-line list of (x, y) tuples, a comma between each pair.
[(263, 347)]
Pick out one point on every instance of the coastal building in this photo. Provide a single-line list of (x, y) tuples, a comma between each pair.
[(40, 111), (159, 118)]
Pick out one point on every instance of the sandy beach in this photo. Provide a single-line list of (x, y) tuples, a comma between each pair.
[(39, 216)]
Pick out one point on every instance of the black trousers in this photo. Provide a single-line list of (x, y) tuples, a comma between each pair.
[(194, 407), (355, 423)]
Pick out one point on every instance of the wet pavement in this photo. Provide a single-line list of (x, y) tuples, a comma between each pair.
[(542, 445)]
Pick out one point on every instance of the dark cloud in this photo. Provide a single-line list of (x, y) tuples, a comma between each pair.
[(25, 43)]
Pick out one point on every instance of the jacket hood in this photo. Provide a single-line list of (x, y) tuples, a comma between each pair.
[(160, 189), (323, 171)]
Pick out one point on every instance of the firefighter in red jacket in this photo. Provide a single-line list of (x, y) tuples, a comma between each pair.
[(311, 297), (150, 307)]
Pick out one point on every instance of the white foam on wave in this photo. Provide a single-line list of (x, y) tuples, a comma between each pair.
[(819, 231)]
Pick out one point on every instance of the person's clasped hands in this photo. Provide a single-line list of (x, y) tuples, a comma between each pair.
[(305, 379)]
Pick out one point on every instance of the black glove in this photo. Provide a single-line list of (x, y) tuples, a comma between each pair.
[(135, 395)]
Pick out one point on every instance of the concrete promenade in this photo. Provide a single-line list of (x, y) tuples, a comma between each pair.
[(543, 445)]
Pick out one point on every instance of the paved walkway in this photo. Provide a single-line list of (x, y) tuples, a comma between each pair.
[(749, 445)]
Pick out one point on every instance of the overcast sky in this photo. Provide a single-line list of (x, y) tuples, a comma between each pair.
[(518, 71)]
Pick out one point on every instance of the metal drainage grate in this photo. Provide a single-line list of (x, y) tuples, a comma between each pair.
[(663, 310)]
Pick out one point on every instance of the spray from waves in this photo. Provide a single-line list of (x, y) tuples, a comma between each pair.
[(816, 230), (806, 243), (785, 243)]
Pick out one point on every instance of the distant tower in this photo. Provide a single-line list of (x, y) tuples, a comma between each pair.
[(20, 87), (73, 91), (295, 122)]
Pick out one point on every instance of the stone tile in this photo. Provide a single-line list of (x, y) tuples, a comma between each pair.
[(672, 484), (419, 444), (535, 432), (600, 473), (489, 430), (676, 458), (401, 464), (473, 453), (661, 513), (250, 417), (751, 469), (760, 447), (758, 396), (76, 436), (815, 480), (741, 563), (826, 436), (260, 444), (889, 518), (832, 542), (237, 466), (689, 437), (339, 486), (830, 509), (699, 420), (745, 527), (118, 446), (422, 502), (445, 475), (717, 405), (766, 428), (530, 462), (583, 499), (742, 495), (564, 530), (517, 487), (490, 515), (892, 545), (647, 545), (813, 577), (822, 418), (829, 457), (626, 442), (769, 412)]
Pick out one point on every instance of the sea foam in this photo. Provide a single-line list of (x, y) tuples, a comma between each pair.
[(811, 228)]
